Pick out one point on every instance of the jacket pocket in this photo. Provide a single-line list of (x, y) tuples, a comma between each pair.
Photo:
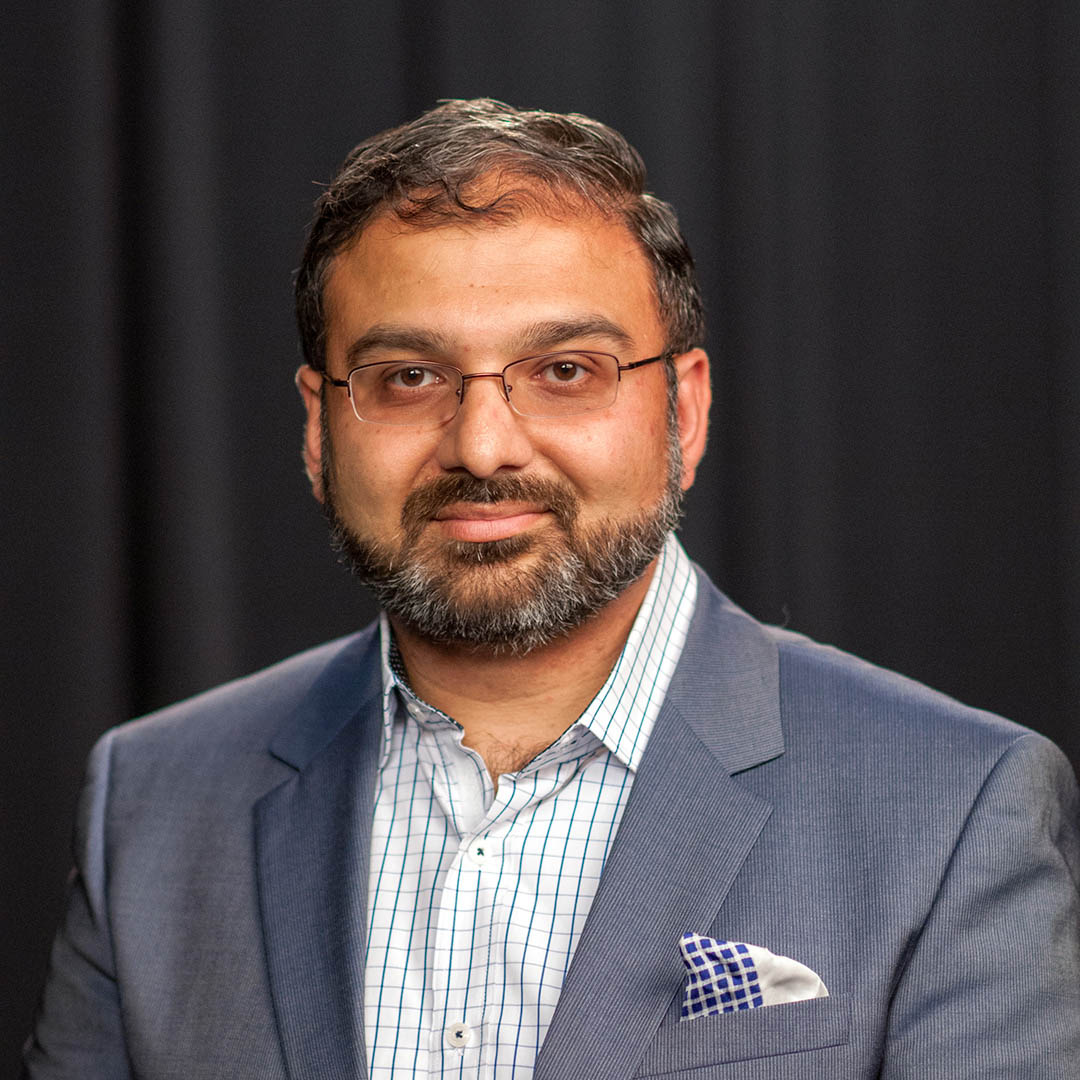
[(753, 1033)]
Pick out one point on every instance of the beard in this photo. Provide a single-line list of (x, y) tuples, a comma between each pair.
[(515, 594)]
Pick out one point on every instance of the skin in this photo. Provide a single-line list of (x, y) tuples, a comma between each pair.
[(482, 291)]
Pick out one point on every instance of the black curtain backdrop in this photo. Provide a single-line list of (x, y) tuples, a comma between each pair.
[(883, 202)]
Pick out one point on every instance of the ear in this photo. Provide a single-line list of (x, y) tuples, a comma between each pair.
[(310, 384), (695, 397)]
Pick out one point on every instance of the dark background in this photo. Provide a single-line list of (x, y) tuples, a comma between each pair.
[(883, 202)]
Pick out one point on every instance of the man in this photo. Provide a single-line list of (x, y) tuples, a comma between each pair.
[(565, 811)]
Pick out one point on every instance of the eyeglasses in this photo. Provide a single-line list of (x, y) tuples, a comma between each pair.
[(407, 393)]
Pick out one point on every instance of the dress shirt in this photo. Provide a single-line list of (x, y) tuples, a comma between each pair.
[(477, 898)]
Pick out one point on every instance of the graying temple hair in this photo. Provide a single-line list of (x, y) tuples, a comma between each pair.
[(429, 171)]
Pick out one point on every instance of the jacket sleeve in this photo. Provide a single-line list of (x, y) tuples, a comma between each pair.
[(991, 987), (78, 1032)]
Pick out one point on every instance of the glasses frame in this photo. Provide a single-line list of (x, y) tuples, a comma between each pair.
[(346, 383)]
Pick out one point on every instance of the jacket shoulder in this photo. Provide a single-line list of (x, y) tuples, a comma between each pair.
[(863, 703), (823, 692), (251, 709)]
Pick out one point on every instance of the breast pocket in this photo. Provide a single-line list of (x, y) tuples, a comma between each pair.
[(754, 1033)]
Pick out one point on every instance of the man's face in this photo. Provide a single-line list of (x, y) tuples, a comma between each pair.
[(498, 530)]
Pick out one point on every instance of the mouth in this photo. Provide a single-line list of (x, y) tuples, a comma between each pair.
[(483, 522)]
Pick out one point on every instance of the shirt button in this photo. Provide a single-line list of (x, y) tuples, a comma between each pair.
[(459, 1034), (479, 852)]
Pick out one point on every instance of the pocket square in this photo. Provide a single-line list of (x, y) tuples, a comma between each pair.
[(726, 976)]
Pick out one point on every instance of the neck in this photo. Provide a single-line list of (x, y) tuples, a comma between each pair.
[(512, 707)]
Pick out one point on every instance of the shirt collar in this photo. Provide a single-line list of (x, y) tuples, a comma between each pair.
[(623, 713)]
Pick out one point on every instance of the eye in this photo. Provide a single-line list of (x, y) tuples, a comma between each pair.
[(411, 377), (563, 370)]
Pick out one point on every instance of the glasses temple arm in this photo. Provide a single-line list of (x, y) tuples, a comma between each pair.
[(650, 360)]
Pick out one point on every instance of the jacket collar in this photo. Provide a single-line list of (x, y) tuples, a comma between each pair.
[(347, 681), (727, 684)]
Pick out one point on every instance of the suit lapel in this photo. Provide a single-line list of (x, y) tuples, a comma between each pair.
[(311, 843), (687, 829)]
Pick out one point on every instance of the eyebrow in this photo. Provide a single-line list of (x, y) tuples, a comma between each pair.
[(552, 332), (391, 336), (535, 337)]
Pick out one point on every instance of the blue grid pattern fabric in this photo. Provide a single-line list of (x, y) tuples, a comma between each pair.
[(721, 977)]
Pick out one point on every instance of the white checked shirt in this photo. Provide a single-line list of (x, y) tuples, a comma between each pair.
[(476, 898)]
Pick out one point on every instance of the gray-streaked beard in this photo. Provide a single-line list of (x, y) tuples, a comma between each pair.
[(473, 594)]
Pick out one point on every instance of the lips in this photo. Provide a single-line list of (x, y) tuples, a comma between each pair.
[(465, 507), (474, 511), (484, 522)]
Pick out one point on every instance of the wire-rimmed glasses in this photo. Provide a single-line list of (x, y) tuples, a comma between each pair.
[(410, 393)]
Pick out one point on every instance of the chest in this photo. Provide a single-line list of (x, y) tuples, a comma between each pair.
[(477, 899)]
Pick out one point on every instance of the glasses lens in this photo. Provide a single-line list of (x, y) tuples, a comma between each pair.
[(562, 383), (405, 393)]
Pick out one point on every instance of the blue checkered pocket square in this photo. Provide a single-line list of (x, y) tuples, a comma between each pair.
[(727, 976)]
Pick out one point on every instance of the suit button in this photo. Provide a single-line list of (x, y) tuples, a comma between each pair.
[(459, 1034)]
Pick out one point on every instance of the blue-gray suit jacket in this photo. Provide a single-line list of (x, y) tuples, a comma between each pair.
[(920, 856)]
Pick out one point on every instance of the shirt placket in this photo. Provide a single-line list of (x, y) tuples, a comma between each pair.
[(496, 848), (462, 909), (469, 918)]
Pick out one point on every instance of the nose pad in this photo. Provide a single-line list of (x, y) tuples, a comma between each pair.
[(504, 390)]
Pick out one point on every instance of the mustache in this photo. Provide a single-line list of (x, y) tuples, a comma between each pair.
[(426, 501)]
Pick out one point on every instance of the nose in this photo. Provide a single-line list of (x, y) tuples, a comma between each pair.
[(486, 435)]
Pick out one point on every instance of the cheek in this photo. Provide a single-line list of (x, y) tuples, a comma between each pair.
[(376, 468), (618, 466)]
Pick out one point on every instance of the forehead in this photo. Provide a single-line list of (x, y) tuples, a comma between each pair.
[(486, 279)]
